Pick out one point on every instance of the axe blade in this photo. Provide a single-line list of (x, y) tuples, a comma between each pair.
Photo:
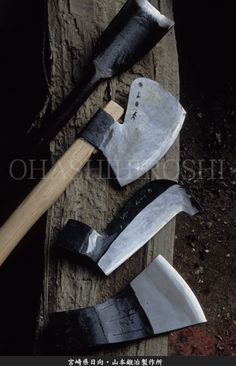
[(155, 302), (152, 123), (151, 208), (129, 37)]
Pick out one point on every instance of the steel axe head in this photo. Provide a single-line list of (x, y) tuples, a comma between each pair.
[(151, 208), (152, 123), (155, 302), (132, 33)]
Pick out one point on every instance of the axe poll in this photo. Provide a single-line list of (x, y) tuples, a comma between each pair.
[(152, 123)]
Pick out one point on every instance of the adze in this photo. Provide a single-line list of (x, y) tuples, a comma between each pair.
[(130, 36), (147, 212), (152, 123), (155, 302)]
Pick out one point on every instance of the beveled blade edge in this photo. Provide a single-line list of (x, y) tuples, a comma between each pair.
[(138, 201), (168, 140), (140, 310), (80, 239), (145, 225), (166, 298), (153, 120)]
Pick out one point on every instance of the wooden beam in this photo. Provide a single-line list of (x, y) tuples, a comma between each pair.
[(74, 26)]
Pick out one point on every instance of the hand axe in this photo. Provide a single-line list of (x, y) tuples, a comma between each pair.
[(146, 213), (133, 32), (155, 302), (152, 122)]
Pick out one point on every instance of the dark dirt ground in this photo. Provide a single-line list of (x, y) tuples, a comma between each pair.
[(205, 252), (205, 245)]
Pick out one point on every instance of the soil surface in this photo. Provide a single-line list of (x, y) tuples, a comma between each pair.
[(205, 251)]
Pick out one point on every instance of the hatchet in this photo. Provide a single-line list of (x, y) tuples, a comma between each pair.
[(152, 123), (132, 33), (155, 302), (149, 210)]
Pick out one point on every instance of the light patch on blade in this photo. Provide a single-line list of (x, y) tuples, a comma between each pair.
[(151, 10), (166, 298), (93, 242), (153, 121), (145, 225)]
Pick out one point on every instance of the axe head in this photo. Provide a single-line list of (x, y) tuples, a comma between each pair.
[(132, 33), (152, 123), (155, 302), (151, 208)]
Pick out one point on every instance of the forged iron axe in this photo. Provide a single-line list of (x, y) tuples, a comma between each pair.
[(130, 36), (152, 122), (144, 215), (155, 302)]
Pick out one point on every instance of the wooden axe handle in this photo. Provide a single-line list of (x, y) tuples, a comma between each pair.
[(48, 190)]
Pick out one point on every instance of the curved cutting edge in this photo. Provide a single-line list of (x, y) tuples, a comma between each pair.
[(153, 121), (150, 208), (81, 239), (145, 225), (157, 301), (166, 298)]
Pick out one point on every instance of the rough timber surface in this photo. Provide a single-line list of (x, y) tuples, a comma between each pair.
[(74, 26)]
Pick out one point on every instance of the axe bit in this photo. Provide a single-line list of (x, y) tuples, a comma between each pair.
[(152, 123), (155, 302), (144, 215)]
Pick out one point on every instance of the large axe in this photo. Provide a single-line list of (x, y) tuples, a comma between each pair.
[(155, 302), (144, 215), (152, 123), (129, 37)]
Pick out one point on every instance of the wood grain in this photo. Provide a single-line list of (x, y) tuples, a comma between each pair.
[(45, 194), (94, 197)]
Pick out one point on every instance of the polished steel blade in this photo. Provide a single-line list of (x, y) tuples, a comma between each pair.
[(152, 123), (161, 287), (132, 33), (146, 212), (156, 301), (145, 225)]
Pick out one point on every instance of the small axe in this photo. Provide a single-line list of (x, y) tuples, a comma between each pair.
[(129, 37), (144, 215), (152, 123), (155, 302)]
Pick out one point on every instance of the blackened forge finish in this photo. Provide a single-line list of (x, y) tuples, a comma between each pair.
[(74, 27), (132, 33), (157, 301), (144, 215), (82, 330), (152, 123)]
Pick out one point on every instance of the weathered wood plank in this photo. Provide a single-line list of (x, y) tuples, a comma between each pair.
[(74, 25)]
